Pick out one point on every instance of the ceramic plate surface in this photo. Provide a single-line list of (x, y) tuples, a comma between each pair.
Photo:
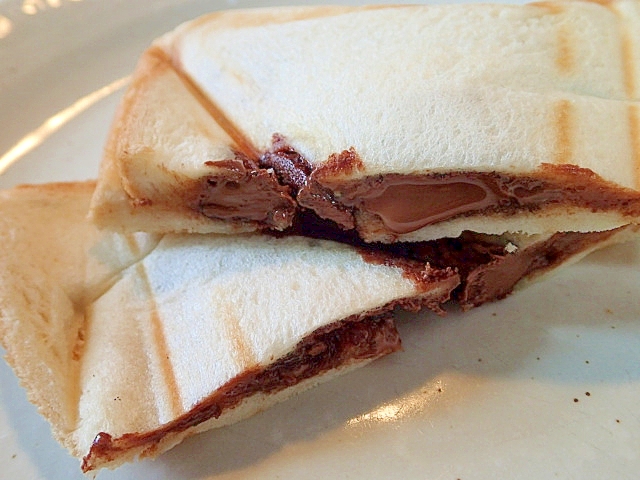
[(545, 384)]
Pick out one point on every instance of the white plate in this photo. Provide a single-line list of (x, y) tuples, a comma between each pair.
[(542, 385)]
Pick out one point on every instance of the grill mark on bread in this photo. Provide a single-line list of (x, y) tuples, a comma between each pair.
[(604, 3), (628, 68), (634, 131), (563, 121), (363, 337), (628, 65), (242, 143), (241, 351), (565, 40), (133, 245), (551, 7), (626, 48), (565, 59), (160, 341), (628, 71)]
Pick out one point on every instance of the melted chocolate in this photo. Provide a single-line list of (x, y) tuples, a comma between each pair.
[(244, 193), (406, 203), (282, 183), (407, 206), (496, 277), (488, 272)]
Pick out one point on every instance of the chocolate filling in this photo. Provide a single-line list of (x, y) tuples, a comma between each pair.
[(496, 278), (312, 201), (488, 270), (282, 183), (323, 206), (244, 193), (330, 347), (406, 203)]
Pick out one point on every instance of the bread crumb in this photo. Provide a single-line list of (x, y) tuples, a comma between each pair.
[(510, 248)]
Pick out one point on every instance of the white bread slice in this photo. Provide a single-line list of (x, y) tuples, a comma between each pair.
[(127, 340), (47, 279), (412, 90), (175, 130)]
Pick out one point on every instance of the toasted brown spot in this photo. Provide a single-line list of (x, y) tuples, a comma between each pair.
[(563, 120), (78, 346), (626, 50), (565, 59), (161, 346), (634, 132), (552, 8), (339, 164), (604, 3), (133, 245), (141, 202), (628, 66), (165, 363), (243, 354)]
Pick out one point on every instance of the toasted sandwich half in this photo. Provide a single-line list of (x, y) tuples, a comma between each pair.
[(130, 343), (400, 123)]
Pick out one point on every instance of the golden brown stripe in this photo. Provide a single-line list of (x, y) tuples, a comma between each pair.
[(242, 143), (234, 19), (565, 59), (133, 245), (604, 3), (552, 8), (565, 40), (242, 353), (626, 51), (160, 342), (627, 56), (563, 121), (628, 67), (634, 131)]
